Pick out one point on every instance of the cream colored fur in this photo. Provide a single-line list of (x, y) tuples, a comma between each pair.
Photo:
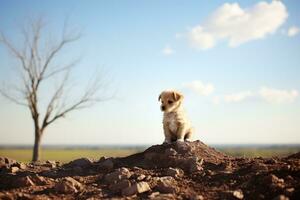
[(175, 123)]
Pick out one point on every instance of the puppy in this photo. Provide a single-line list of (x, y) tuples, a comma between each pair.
[(175, 123)]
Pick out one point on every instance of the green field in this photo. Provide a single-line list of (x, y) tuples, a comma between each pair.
[(260, 151), (66, 155)]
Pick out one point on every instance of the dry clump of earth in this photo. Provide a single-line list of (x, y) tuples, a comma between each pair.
[(181, 170)]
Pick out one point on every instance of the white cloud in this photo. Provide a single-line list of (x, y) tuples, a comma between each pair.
[(277, 96), (168, 51), (216, 100), (237, 25), (292, 31), (199, 87), (238, 97)]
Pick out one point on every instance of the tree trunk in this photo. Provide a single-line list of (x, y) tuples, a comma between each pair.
[(37, 145)]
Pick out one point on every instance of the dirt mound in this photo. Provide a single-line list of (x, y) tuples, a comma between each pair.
[(184, 170)]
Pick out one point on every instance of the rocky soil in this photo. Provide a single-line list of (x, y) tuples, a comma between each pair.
[(179, 170)]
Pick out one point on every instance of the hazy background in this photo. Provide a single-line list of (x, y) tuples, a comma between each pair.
[(237, 63)]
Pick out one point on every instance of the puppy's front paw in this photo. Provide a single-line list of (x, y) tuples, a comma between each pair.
[(167, 141), (180, 140)]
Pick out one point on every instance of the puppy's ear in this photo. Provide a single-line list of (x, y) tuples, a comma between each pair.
[(177, 96)]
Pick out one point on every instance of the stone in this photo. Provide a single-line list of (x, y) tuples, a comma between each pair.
[(148, 178), (140, 187), (39, 180), (68, 185), (81, 162), (281, 197), (193, 164), (141, 177), (6, 162), (167, 184), (259, 167), (50, 164), (6, 196), (21, 165), (170, 152), (24, 182), (117, 187), (238, 194), (198, 197), (153, 195), (14, 169), (274, 182), (174, 172), (289, 191), (118, 175)]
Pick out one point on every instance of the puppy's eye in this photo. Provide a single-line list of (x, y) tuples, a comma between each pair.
[(170, 102), (162, 101)]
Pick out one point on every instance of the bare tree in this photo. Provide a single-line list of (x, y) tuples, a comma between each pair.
[(36, 65)]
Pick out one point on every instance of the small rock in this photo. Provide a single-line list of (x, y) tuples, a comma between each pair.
[(192, 164), (6, 162), (120, 185), (174, 172), (143, 187), (50, 164), (136, 168), (289, 178), (271, 161), (273, 179), (6, 196), (14, 169), (259, 167), (141, 177), (39, 180), (148, 178), (153, 195), (286, 167), (22, 195), (81, 162), (21, 165), (281, 197), (289, 191), (140, 187), (68, 185), (238, 194), (167, 184), (170, 152), (198, 197), (106, 164), (24, 181), (119, 174)]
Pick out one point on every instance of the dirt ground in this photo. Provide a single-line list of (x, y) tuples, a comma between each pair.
[(181, 170)]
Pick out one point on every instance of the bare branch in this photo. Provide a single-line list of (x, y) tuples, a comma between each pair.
[(56, 96), (62, 69), (36, 58), (53, 53), (12, 98)]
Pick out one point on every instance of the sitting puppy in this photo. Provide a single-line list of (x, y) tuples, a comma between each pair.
[(176, 125)]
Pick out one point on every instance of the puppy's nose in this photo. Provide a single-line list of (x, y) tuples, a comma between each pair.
[(163, 108)]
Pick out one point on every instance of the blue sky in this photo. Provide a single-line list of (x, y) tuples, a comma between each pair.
[(237, 63)]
